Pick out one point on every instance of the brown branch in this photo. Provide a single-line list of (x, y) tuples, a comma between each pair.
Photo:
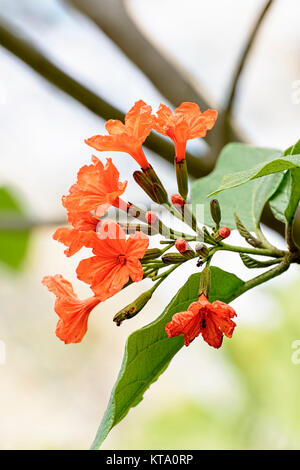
[(30, 55), (112, 17), (10, 222), (240, 67), (34, 58)]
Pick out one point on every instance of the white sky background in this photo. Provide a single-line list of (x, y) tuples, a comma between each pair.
[(42, 132)]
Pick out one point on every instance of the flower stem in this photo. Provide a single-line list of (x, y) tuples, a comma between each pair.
[(165, 274), (253, 251), (266, 276), (290, 238)]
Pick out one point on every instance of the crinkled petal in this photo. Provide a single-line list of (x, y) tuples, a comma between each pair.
[(73, 312), (72, 238), (163, 119), (59, 286), (187, 323), (139, 121), (114, 127), (221, 314), (96, 186), (83, 221), (212, 334)]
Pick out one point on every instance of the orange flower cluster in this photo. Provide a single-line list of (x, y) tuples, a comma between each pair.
[(187, 122), (213, 321), (116, 260)]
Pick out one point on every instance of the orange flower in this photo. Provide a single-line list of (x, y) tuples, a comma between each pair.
[(187, 122), (72, 238), (211, 320), (127, 137), (97, 188), (83, 221), (116, 259), (73, 313), (77, 237)]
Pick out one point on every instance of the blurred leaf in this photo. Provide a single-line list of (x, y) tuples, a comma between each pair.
[(13, 243), (234, 157), (149, 351), (273, 166), (285, 201)]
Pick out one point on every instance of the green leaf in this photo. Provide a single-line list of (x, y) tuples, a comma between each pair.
[(293, 150), (234, 157), (149, 351), (273, 166), (285, 201), (254, 263), (263, 191), (13, 243)]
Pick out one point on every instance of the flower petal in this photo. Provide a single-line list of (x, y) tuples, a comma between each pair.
[(221, 314), (95, 269), (83, 221), (113, 282), (73, 312), (187, 323), (72, 238), (137, 245), (163, 119), (139, 121), (59, 286), (135, 269), (97, 185), (211, 334), (114, 127)]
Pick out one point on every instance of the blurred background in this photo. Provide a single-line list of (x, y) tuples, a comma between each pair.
[(66, 67)]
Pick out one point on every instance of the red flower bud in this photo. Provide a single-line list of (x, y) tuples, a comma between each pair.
[(177, 200), (181, 245), (151, 217), (224, 232)]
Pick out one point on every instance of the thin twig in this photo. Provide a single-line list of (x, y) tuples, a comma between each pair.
[(241, 63), (114, 18), (29, 54), (32, 56)]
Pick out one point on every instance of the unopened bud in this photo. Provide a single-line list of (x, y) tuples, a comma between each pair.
[(145, 183), (173, 258), (160, 193), (157, 186), (177, 200), (215, 211), (224, 232), (151, 253), (202, 250), (132, 309), (182, 178), (205, 282), (182, 245), (151, 217), (184, 248)]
